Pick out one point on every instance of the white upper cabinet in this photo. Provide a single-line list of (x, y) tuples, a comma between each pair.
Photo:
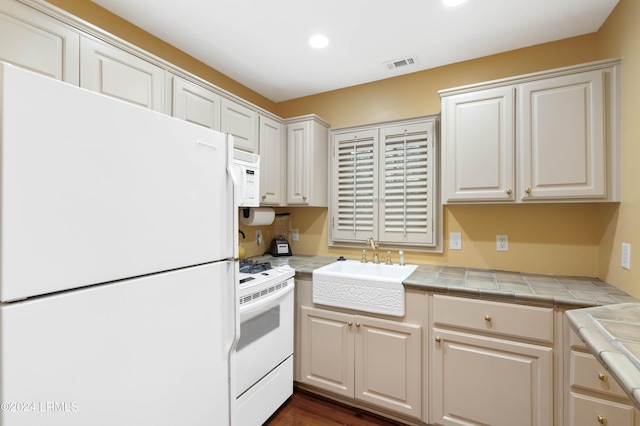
[(40, 37), (562, 137), (307, 161), (242, 123), (544, 137), (272, 161), (196, 104), (478, 128), (33, 41), (114, 72)]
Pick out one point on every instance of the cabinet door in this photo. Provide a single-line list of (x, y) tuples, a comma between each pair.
[(108, 70), (298, 163), (272, 157), (388, 364), (562, 137), (196, 104), (484, 381), (242, 123), (326, 358), (31, 40), (406, 162), (478, 142)]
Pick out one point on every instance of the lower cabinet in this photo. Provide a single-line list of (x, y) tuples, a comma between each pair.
[(478, 380), (370, 359), (492, 363), (594, 397)]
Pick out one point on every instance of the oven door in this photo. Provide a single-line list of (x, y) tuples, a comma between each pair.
[(266, 337)]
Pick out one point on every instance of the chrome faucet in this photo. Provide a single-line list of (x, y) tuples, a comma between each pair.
[(375, 246)]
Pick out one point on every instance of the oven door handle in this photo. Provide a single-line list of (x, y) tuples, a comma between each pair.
[(263, 305)]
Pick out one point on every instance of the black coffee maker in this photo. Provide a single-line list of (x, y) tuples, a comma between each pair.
[(279, 245)]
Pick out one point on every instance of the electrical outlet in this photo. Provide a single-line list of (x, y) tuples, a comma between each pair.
[(455, 241), (626, 256), (295, 235), (502, 243)]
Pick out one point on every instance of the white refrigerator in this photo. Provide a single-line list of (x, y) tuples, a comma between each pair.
[(117, 271)]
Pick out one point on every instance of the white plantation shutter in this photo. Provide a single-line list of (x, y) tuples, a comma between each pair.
[(383, 185), (354, 188), (407, 184)]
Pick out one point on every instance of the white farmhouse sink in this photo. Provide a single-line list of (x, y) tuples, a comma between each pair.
[(366, 287)]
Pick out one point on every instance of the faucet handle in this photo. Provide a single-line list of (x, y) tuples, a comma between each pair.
[(388, 262), (364, 256)]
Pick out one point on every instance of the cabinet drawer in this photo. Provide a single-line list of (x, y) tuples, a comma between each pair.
[(585, 411), (575, 341), (505, 319), (587, 372)]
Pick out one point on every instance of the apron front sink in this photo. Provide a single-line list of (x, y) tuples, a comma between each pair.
[(367, 287)]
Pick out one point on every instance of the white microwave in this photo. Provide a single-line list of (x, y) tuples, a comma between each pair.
[(247, 168)]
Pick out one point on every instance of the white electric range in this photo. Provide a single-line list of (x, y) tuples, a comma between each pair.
[(264, 354)]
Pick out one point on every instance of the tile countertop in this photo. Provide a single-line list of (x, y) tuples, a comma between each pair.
[(609, 324), (515, 287), (612, 334)]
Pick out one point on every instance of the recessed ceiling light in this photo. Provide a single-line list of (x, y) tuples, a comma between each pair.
[(319, 41), (452, 3)]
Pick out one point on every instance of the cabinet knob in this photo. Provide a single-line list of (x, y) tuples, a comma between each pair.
[(602, 420), (509, 191), (304, 198), (528, 191), (264, 197), (602, 377), (488, 318), (358, 324), (438, 339), (350, 323)]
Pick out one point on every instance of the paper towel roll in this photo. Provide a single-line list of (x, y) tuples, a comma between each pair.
[(258, 216)]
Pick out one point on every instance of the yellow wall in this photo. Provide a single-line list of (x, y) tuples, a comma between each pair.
[(620, 36), (561, 239)]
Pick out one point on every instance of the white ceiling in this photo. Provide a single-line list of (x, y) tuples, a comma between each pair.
[(264, 44)]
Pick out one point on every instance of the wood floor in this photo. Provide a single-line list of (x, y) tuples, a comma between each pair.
[(305, 409)]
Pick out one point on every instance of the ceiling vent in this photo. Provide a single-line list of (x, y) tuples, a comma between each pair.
[(401, 63)]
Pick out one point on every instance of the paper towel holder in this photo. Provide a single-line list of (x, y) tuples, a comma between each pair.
[(259, 216)]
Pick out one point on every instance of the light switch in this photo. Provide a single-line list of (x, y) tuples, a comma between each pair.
[(626, 256), (455, 241)]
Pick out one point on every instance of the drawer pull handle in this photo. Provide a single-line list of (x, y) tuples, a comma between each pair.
[(603, 377), (602, 420), (438, 339), (350, 323), (488, 318)]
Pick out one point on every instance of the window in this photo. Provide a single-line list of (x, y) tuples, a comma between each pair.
[(384, 185)]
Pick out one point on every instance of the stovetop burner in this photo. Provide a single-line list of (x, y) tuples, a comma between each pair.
[(251, 267)]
